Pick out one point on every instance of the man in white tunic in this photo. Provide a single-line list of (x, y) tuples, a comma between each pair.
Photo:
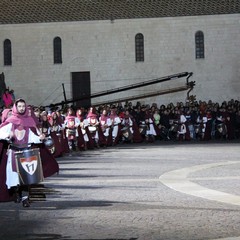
[(20, 130)]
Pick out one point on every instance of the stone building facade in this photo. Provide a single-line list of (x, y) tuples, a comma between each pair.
[(46, 53)]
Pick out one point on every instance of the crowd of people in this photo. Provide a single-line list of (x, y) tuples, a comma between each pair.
[(70, 129), (54, 132), (76, 129)]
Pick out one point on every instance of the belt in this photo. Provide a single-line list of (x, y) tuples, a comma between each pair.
[(19, 147)]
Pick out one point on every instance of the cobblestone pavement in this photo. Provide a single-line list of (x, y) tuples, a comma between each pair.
[(154, 191)]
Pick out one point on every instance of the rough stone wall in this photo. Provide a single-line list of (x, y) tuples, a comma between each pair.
[(107, 50)]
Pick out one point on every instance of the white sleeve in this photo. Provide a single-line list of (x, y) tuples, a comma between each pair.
[(5, 131), (118, 120), (183, 119), (33, 138), (130, 122), (85, 123), (77, 122), (204, 119)]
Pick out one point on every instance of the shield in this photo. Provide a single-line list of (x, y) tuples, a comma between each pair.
[(92, 130), (49, 143), (71, 133), (29, 166), (174, 128), (143, 128), (126, 133), (222, 129)]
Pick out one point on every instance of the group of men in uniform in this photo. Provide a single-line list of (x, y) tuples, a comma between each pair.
[(79, 129)]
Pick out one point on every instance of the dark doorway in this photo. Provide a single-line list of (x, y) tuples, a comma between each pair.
[(2, 88), (81, 89)]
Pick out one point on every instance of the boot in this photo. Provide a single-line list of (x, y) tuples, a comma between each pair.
[(17, 194), (76, 146), (97, 145), (85, 146), (25, 201)]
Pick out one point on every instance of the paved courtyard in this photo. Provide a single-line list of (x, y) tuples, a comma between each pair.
[(154, 191)]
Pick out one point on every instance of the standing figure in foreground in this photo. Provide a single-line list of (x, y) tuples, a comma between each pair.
[(20, 131)]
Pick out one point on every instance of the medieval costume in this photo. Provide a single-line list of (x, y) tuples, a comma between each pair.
[(21, 133), (115, 126), (71, 124), (209, 122), (105, 124), (201, 125), (94, 129), (83, 138), (44, 128), (4, 193), (220, 124), (127, 127), (55, 133), (151, 131), (183, 130)]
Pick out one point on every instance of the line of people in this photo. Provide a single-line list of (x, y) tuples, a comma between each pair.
[(81, 129), (70, 129)]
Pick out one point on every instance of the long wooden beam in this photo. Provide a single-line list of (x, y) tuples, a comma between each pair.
[(151, 94), (125, 88)]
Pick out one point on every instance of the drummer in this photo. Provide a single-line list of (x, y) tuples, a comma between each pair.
[(20, 130)]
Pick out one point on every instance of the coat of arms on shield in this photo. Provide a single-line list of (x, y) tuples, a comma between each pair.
[(29, 166)]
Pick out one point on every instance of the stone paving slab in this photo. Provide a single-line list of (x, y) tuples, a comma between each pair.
[(116, 193)]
